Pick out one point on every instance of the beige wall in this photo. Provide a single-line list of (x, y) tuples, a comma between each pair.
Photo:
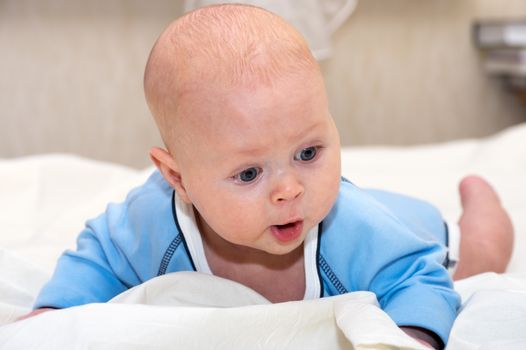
[(403, 71), (71, 76), (406, 71)]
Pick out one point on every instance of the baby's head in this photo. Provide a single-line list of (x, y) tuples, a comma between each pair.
[(241, 107)]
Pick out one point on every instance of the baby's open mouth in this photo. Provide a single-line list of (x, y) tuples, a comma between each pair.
[(287, 232)]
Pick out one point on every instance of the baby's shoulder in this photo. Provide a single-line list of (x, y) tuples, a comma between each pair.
[(355, 204), (155, 189), (385, 211), (363, 215), (147, 207)]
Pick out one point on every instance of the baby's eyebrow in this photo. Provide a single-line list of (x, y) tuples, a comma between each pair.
[(316, 125), (245, 150), (250, 151)]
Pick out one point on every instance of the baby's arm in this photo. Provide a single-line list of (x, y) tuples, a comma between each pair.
[(369, 248), (424, 337), (34, 313), (418, 267), (116, 251), (92, 273), (417, 293)]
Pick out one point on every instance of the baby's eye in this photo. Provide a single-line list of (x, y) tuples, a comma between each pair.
[(306, 154), (248, 175)]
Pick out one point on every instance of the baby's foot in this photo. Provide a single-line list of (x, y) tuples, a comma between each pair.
[(486, 231)]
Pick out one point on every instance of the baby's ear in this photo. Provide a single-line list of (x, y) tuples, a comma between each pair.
[(167, 165)]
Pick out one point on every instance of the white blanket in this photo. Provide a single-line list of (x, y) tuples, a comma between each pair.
[(44, 201)]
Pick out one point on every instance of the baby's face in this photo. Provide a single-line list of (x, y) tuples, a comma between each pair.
[(261, 165)]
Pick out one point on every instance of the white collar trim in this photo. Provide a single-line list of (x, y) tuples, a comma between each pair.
[(192, 236), (188, 225)]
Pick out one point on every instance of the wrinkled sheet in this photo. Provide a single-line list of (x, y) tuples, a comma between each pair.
[(45, 200), (206, 312), (190, 310), (493, 313)]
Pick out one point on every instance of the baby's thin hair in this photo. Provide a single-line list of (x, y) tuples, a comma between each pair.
[(245, 41), (222, 46)]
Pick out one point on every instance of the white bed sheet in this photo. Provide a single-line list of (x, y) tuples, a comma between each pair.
[(44, 201)]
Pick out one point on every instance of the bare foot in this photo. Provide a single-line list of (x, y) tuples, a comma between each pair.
[(486, 231)]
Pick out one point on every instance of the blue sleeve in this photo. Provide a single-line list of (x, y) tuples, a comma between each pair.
[(386, 255), (418, 270), (118, 250), (82, 276), (414, 289)]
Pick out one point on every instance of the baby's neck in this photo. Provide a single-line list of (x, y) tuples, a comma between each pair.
[(279, 278)]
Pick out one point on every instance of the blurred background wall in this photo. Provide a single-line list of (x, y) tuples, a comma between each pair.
[(401, 72), (406, 71)]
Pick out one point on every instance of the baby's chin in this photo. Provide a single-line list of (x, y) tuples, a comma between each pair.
[(283, 250)]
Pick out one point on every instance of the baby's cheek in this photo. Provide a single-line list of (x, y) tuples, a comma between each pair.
[(234, 211), (326, 195), (233, 216)]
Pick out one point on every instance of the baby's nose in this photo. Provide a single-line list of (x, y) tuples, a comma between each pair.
[(287, 188)]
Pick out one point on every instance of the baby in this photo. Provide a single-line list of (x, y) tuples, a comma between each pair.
[(249, 189)]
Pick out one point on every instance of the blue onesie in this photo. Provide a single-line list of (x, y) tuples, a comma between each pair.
[(375, 241)]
